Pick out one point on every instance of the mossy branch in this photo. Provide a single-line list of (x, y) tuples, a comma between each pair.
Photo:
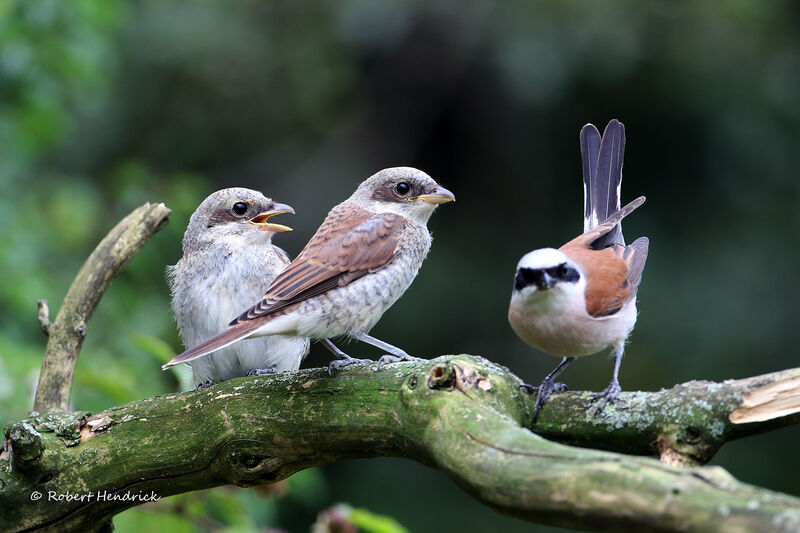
[(67, 332), (463, 415)]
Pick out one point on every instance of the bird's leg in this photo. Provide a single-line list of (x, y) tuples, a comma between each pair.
[(261, 371), (548, 386), (395, 354), (610, 393), (343, 359)]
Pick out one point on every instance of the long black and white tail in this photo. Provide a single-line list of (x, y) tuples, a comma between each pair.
[(602, 177)]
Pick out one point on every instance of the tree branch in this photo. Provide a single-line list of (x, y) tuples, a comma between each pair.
[(685, 425), (66, 334), (465, 416)]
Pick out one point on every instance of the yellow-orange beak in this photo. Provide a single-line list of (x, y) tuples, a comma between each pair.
[(439, 196), (261, 219)]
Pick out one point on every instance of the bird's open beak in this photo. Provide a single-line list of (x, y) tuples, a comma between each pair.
[(438, 196), (261, 219)]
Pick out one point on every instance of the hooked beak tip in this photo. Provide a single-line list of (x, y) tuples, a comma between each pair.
[(439, 196)]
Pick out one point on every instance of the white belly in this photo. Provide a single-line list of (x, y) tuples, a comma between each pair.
[(565, 329), (206, 307)]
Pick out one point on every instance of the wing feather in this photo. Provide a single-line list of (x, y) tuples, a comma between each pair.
[(350, 244), (635, 257), (591, 237), (613, 272)]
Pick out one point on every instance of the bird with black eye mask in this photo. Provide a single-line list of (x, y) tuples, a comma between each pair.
[(228, 262), (581, 299)]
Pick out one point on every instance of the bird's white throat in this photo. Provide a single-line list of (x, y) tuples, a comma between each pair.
[(558, 299)]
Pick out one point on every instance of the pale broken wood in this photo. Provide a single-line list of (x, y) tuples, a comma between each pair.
[(768, 402)]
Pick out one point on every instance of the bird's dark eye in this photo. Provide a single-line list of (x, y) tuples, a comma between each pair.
[(564, 272), (402, 188), (240, 208)]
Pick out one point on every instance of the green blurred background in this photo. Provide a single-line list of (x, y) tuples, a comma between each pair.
[(105, 105)]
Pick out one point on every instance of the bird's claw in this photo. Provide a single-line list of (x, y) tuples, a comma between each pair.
[(262, 371), (338, 364), (391, 358), (543, 393), (204, 384), (557, 387), (609, 394)]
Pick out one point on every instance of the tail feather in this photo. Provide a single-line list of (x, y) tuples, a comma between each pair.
[(603, 187), (235, 333), (590, 151), (609, 170)]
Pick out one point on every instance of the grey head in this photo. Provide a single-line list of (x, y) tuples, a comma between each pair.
[(406, 191), (231, 213)]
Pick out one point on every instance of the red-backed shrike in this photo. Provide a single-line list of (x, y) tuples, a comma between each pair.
[(360, 261), (228, 262), (581, 298)]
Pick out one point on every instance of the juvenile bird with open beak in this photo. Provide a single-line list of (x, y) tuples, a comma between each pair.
[(360, 261), (228, 262), (581, 299)]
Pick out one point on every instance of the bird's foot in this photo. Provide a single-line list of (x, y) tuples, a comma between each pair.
[(338, 364), (391, 358), (543, 393), (261, 371), (533, 389), (609, 394), (204, 384)]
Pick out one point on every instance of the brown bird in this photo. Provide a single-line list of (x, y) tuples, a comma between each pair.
[(360, 261), (581, 298)]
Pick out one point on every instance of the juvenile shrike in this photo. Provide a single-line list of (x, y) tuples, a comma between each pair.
[(228, 261), (581, 298), (360, 261)]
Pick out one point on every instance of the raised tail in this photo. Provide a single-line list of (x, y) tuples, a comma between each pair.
[(240, 331), (602, 176)]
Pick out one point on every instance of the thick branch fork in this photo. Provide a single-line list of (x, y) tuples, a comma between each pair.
[(463, 415)]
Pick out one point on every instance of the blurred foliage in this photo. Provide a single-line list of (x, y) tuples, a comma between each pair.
[(105, 105), (345, 519)]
